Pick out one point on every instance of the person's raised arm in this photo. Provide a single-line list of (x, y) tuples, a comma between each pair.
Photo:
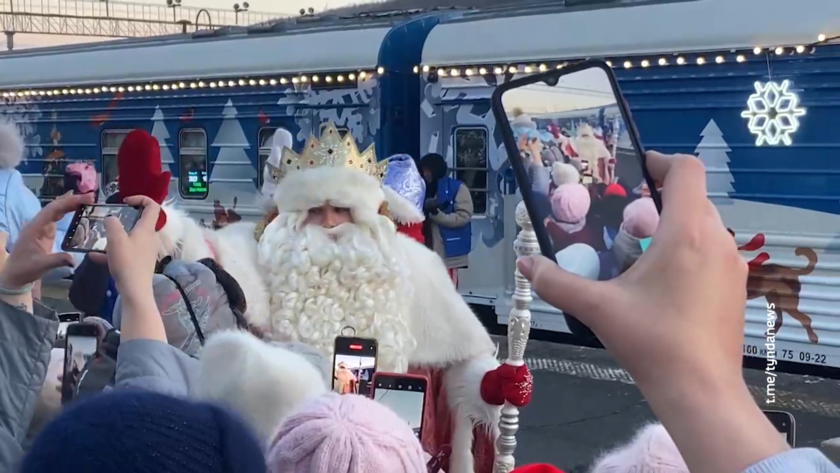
[(131, 259), (675, 321)]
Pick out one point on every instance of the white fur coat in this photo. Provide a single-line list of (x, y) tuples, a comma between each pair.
[(449, 335)]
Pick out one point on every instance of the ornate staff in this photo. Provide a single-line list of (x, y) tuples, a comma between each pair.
[(519, 328)]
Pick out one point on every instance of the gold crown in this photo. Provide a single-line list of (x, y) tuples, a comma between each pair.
[(332, 151)]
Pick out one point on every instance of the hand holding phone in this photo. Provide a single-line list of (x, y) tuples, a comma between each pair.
[(81, 345), (87, 229), (405, 394), (584, 210), (354, 364)]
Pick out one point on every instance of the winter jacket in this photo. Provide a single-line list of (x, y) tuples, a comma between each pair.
[(461, 216), (26, 341)]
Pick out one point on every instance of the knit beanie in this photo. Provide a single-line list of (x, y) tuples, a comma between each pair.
[(570, 203), (345, 434), (144, 432), (651, 450), (641, 218)]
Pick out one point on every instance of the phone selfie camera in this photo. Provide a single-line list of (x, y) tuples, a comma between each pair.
[(577, 158)]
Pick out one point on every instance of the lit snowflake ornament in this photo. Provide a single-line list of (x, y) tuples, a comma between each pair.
[(773, 113)]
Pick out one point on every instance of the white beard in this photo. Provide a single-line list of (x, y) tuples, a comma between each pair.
[(321, 281)]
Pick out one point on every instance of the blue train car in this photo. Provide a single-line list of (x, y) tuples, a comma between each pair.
[(213, 100), (688, 70)]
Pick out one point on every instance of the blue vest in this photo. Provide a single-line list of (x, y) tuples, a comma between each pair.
[(456, 241)]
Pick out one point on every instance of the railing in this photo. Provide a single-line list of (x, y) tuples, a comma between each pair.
[(117, 19)]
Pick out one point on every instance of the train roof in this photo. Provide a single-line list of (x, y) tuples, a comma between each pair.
[(628, 28), (305, 44)]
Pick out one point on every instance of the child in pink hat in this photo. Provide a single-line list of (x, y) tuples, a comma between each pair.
[(345, 434), (651, 450)]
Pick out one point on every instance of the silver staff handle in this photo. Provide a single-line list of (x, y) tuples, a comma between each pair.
[(519, 328)]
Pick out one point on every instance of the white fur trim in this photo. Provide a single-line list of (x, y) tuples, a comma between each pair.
[(263, 383), (282, 139), (341, 187), (562, 173), (236, 251), (402, 211), (182, 237), (12, 146), (446, 329), (463, 393)]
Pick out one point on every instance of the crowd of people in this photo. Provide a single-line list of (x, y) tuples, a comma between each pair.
[(221, 355)]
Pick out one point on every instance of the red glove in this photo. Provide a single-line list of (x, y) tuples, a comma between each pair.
[(507, 383)]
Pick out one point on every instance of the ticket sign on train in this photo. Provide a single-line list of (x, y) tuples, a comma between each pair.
[(580, 169)]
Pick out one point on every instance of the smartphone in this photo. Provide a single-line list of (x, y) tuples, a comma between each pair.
[(64, 320), (82, 344), (354, 365), (405, 394), (785, 424), (87, 229), (585, 212)]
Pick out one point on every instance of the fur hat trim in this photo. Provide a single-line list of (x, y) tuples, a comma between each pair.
[(402, 211), (340, 187)]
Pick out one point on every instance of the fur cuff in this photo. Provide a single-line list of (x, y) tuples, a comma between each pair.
[(402, 211), (463, 391), (12, 146), (263, 383)]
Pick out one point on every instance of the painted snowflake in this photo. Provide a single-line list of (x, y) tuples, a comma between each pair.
[(773, 113)]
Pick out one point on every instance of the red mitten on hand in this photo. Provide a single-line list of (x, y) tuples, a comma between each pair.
[(507, 383)]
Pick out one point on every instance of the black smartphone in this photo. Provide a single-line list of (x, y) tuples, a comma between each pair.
[(87, 229), (82, 344), (405, 394), (785, 424), (580, 168), (354, 364), (64, 321)]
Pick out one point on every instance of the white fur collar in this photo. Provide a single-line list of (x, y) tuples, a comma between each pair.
[(402, 211)]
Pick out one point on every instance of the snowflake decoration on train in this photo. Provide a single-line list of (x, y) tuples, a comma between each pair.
[(773, 113)]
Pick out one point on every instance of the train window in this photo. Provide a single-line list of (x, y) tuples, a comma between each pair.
[(111, 141), (192, 159), (471, 164), (341, 131), (265, 139)]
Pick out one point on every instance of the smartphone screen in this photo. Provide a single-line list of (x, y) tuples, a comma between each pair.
[(87, 231), (580, 169), (354, 364), (65, 320), (81, 346), (403, 394), (785, 423)]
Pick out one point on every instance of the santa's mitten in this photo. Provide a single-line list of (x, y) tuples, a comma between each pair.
[(507, 383)]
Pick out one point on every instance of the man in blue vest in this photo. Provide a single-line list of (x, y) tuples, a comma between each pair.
[(448, 208)]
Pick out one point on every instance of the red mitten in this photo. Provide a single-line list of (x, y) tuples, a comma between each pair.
[(513, 384)]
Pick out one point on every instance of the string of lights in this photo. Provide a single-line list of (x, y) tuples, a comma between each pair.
[(337, 78), (700, 59)]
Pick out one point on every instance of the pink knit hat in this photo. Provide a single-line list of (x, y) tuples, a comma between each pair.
[(652, 450), (345, 434), (570, 202), (641, 218)]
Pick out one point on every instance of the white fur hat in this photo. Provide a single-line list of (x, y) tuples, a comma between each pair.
[(651, 449), (263, 383), (562, 173), (12, 146)]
